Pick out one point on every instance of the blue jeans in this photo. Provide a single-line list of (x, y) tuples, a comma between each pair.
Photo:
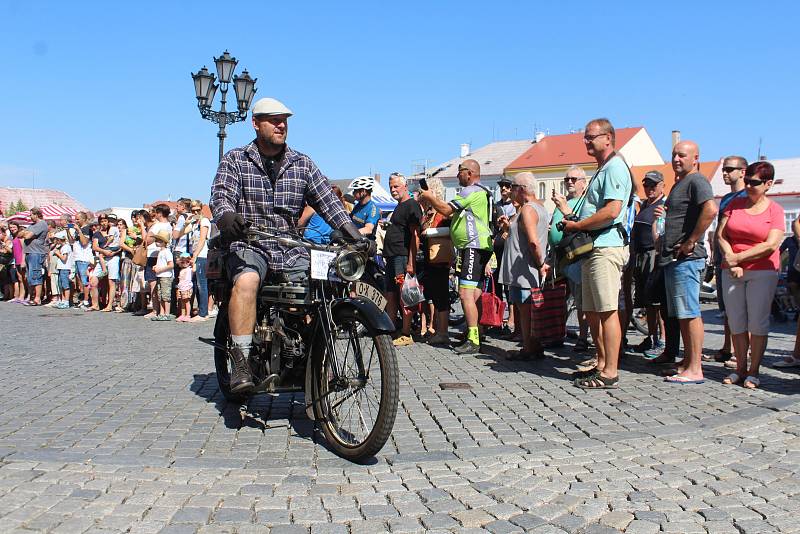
[(201, 285), (682, 281), (35, 265)]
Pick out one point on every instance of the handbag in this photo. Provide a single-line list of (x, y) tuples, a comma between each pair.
[(549, 312), (140, 255), (492, 307), (440, 250)]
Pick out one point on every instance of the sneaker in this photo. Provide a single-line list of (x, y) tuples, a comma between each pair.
[(403, 341), (63, 305), (654, 352), (213, 312), (468, 347), (647, 344)]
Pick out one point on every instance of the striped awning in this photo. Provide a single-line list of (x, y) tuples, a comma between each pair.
[(50, 212)]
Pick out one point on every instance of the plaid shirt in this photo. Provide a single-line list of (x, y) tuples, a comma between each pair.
[(243, 185)]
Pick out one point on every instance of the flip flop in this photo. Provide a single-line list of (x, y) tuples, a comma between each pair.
[(680, 379), (788, 362)]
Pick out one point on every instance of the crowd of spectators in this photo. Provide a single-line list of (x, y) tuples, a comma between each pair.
[(90, 263), (610, 251)]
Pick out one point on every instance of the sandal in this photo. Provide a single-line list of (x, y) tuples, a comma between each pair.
[(751, 382), (732, 378), (578, 375), (598, 381)]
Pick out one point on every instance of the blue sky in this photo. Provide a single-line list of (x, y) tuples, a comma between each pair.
[(98, 100)]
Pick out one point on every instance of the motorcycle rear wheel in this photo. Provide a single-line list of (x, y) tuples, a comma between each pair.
[(357, 410), (222, 363)]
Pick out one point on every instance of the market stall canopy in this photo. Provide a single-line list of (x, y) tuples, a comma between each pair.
[(380, 196), (51, 212)]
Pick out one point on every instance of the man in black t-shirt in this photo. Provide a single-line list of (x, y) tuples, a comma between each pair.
[(400, 250), (644, 256)]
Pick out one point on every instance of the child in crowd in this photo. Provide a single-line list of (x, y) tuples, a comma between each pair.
[(185, 287), (164, 268), (63, 253)]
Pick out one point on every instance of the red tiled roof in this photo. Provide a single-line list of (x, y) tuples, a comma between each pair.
[(566, 149), (707, 169)]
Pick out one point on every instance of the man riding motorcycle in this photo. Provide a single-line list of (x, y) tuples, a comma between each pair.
[(266, 183)]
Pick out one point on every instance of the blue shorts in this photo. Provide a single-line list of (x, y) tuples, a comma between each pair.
[(35, 265), (519, 295), (63, 279), (682, 281), (82, 271)]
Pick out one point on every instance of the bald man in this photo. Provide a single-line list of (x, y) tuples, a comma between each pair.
[(690, 209), (471, 211)]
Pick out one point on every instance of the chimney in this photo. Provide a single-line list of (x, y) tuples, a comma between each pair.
[(676, 137), (762, 158), (538, 136), (464, 150), (377, 177)]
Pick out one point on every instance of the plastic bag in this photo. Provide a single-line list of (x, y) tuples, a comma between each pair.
[(411, 291)]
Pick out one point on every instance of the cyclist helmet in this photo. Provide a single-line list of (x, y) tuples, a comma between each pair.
[(363, 182)]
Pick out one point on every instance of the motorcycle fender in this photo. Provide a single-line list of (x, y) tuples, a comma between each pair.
[(309, 406), (372, 315)]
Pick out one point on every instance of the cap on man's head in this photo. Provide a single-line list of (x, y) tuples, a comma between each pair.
[(270, 106), (505, 180), (654, 176)]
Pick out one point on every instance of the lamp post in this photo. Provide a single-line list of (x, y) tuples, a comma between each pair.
[(205, 89)]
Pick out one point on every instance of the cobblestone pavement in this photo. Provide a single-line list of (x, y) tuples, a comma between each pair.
[(112, 423)]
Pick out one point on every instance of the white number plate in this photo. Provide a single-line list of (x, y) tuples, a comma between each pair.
[(321, 264), (372, 294)]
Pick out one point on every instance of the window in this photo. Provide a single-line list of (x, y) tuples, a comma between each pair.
[(789, 217), (563, 188), (542, 190)]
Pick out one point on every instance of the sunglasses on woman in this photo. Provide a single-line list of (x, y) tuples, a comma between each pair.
[(753, 182)]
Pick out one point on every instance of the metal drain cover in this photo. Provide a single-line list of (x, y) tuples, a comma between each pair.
[(455, 385)]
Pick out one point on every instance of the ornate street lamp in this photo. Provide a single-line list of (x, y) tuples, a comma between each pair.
[(205, 89)]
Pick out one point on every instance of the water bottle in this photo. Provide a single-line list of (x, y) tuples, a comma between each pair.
[(660, 223)]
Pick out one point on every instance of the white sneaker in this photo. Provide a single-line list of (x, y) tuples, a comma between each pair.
[(213, 313)]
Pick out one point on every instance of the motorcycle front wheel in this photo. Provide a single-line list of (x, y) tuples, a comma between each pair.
[(355, 387), (222, 363)]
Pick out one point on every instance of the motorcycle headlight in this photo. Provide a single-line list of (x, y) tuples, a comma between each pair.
[(350, 265)]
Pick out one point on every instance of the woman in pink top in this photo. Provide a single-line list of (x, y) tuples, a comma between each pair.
[(18, 274), (750, 232)]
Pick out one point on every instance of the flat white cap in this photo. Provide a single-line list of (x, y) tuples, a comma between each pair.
[(270, 106)]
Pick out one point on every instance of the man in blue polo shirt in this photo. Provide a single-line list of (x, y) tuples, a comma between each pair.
[(365, 213)]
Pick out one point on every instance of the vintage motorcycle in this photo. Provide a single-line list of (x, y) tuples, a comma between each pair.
[(328, 337)]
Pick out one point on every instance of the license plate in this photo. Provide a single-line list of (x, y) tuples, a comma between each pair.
[(372, 294)]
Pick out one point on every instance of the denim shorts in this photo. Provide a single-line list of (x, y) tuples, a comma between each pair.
[(82, 271), (149, 273), (63, 279), (35, 265), (682, 281)]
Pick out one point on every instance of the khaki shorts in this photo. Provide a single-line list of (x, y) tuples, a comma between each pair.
[(601, 279), (165, 288)]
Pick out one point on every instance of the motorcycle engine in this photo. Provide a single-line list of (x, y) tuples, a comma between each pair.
[(292, 348)]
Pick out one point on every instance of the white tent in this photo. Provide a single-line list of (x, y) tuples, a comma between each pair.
[(380, 195)]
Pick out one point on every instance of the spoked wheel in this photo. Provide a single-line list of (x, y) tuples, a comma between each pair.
[(355, 387), (222, 362), (639, 320), (573, 326)]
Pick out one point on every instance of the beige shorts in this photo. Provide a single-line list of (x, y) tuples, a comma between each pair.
[(601, 279), (165, 288)]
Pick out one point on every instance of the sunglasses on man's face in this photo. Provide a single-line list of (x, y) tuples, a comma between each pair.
[(728, 170)]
